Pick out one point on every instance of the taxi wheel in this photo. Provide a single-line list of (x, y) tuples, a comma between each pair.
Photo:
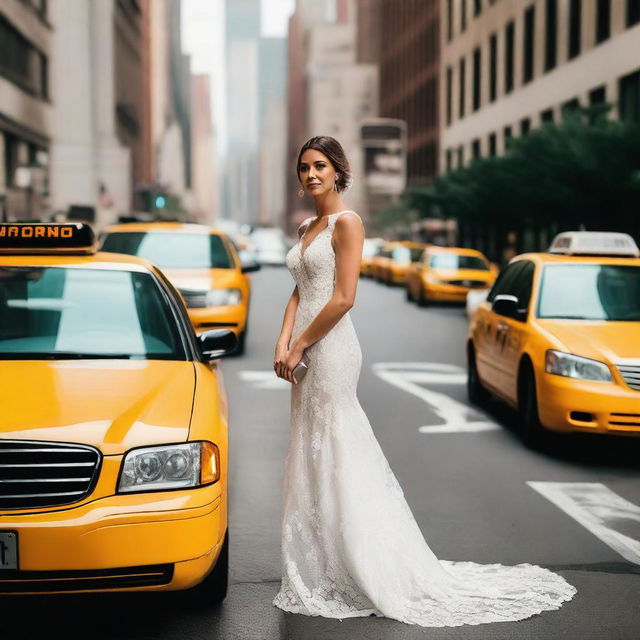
[(477, 394), (242, 339), (213, 589), (532, 432), (422, 300), (408, 293)]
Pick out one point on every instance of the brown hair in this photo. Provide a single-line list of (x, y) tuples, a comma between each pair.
[(334, 151)]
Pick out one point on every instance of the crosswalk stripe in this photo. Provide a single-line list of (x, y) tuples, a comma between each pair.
[(602, 511)]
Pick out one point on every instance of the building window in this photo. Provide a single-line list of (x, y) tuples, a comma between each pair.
[(493, 145), (449, 159), (633, 12), (463, 15), (508, 54), (21, 63), (598, 95), (475, 149), (527, 61), (449, 20), (477, 7), (462, 83), (547, 115), (525, 126), (493, 67), (460, 157), (550, 34), (575, 14), (629, 92), (477, 83), (508, 136), (603, 20), (449, 92)]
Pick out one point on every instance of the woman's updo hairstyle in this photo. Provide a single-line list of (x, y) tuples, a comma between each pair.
[(334, 151)]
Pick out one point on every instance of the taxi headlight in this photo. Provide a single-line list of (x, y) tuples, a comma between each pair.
[(175, 466), (566, 364), (222, 297)]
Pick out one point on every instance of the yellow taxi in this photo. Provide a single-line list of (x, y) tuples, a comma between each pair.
[(558, 338), (114, 435), (447, 274), (403, 254), (370, 249), (202, 263)]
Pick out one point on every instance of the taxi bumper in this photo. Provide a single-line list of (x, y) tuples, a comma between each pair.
[(233, 317), (447, 293), (111, 544), (570, 405)]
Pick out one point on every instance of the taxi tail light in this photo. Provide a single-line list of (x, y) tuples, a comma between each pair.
[(209, 463)]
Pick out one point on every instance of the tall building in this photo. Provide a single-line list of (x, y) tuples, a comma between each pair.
[(508, 66), (329, 92), (204, 170), (272, 131), (242, 22), (26, 113), (94, 117), (409, 76)]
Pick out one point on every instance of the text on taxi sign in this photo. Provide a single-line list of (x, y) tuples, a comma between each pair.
[(35, 231)]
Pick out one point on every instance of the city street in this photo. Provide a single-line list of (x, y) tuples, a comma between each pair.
[(477, 494)]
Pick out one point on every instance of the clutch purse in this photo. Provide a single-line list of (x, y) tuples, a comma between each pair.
[(299, 371)]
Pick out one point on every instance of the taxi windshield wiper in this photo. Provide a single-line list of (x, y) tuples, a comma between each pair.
[(65, 355)]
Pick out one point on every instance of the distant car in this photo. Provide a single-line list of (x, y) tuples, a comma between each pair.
[(447, 274), (404, 254), (370, 249), (270, 245), (114, 424), (558, 337), (203, 265), (474, 298)]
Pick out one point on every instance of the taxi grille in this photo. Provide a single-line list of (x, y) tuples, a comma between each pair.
[(631, 375), (467, 283), (15, 581), (196, 299), (44, 474)]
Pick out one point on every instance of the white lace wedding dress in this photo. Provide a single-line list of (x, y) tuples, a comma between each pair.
[(350, 544)]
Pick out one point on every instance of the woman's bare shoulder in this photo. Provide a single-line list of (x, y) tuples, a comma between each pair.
[(349, 221)]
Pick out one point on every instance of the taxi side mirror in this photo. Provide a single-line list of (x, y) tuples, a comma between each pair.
[(250, 266), (507, 305), (217, 343)]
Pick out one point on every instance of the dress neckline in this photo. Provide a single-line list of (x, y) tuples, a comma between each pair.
[(304, 233)]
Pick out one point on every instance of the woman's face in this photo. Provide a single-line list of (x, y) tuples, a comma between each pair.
[(316, 173)]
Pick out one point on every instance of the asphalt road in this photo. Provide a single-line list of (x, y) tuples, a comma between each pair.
[(465, 475)]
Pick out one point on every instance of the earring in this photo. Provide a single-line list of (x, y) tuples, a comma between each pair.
[(301, 193), (335, 182)]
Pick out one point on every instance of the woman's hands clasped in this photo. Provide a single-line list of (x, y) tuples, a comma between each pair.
[(285, 361)]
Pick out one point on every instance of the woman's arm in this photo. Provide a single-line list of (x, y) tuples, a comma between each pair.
[(289, 318), (348, 240)]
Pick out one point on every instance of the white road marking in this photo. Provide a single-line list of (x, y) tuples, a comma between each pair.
[(264, 380), (600, 510), (407, 375)]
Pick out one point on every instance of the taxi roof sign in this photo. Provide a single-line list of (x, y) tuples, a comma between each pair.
[(594, 243), (46, 238)]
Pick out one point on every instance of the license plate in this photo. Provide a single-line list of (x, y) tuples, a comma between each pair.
[(8, 550)]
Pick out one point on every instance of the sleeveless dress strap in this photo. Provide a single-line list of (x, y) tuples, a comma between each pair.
[(331, 223)]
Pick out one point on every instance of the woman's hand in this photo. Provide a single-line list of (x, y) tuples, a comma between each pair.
[(293, 357), (280, 358)]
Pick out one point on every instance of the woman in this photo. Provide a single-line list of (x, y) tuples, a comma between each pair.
[(350, 544)]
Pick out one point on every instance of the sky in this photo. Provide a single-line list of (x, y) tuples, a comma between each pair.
[(203, 39)]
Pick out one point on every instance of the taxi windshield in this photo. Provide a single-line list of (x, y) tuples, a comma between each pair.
[(68, 313), (172, 250), (406, 254), (454, 261), (590, 292)]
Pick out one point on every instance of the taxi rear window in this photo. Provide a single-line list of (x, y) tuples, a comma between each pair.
[(172, 250), (454, 261), (590, 292), (68, 313)]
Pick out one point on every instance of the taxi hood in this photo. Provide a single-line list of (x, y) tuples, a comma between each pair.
[(612, 341), (114, 405)]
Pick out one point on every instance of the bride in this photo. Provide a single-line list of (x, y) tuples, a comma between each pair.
[(350, 544)]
